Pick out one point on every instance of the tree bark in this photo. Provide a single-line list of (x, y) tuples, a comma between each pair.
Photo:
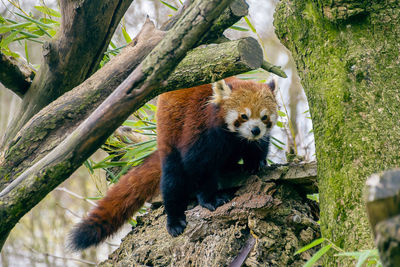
[(347, 55), (14, 75), (263, 225)]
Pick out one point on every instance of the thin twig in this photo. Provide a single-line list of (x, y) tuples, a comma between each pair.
[(59, 257), (75, 195)]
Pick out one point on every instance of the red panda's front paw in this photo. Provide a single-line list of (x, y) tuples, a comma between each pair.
[(213, 203), (255, 166), (176, 225)]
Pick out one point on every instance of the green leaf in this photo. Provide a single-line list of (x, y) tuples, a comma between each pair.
[(152, 127), (281, 113), (317, 255), (9, 27), (314, 197), (26, 52), (316, 242), (37, 22), (277, 140), (48, 11), (363, 257), (8, 52), (4, 42), (29, 35), (127, 38), (238, 28), (89, 166), (49, 21), (250, 25), (170, 6), (280, 124), (276, 145), (94, 198)]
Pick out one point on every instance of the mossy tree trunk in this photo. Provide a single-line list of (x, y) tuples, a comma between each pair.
[(347, 55)]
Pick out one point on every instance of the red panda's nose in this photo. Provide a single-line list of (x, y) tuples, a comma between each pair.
[(255, 131)]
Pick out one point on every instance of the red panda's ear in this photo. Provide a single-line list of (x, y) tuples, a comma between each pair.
[(272, 85), (221, 91)]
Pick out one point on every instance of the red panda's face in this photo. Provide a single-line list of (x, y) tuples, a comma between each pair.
[(249, 109)]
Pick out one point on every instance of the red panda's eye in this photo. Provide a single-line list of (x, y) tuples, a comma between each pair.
[(263, 118), (244, 116)]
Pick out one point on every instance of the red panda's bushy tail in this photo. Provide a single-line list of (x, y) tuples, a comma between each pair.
[(120, 203)]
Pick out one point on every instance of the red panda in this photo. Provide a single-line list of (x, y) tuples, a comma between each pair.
[(202, 131)]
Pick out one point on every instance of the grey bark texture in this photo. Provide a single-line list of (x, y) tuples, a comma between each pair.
[(347, 55)]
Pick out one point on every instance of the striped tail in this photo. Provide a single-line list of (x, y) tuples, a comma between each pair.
[(121, 202)]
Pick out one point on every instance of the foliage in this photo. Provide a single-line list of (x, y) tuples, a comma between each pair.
[(363, 258), (28, 28)]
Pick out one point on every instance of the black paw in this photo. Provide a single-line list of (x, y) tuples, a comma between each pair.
[(214, 202), (176, 225), (253, 167)]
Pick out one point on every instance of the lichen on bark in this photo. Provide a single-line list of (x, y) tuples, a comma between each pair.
[(349, 69)]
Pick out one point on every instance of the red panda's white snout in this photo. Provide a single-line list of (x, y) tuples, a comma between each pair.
[(251, 126)]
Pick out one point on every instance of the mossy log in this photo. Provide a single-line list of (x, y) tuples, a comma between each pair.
[(383, 207)]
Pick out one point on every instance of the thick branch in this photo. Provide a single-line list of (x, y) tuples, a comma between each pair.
[(14, 75), (86, 29), (32, 185)]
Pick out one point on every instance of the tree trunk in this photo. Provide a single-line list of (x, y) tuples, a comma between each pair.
[(347, 55)]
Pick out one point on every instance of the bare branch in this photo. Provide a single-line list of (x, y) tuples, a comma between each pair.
[(15, 75), (32, 185)]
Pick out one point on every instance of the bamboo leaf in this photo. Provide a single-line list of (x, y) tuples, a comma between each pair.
[(318, 255), (281, 113), (48, 11), (168, 5), (253, 29), (316, 242), (238, 28), (127, 38), (9, 27)]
